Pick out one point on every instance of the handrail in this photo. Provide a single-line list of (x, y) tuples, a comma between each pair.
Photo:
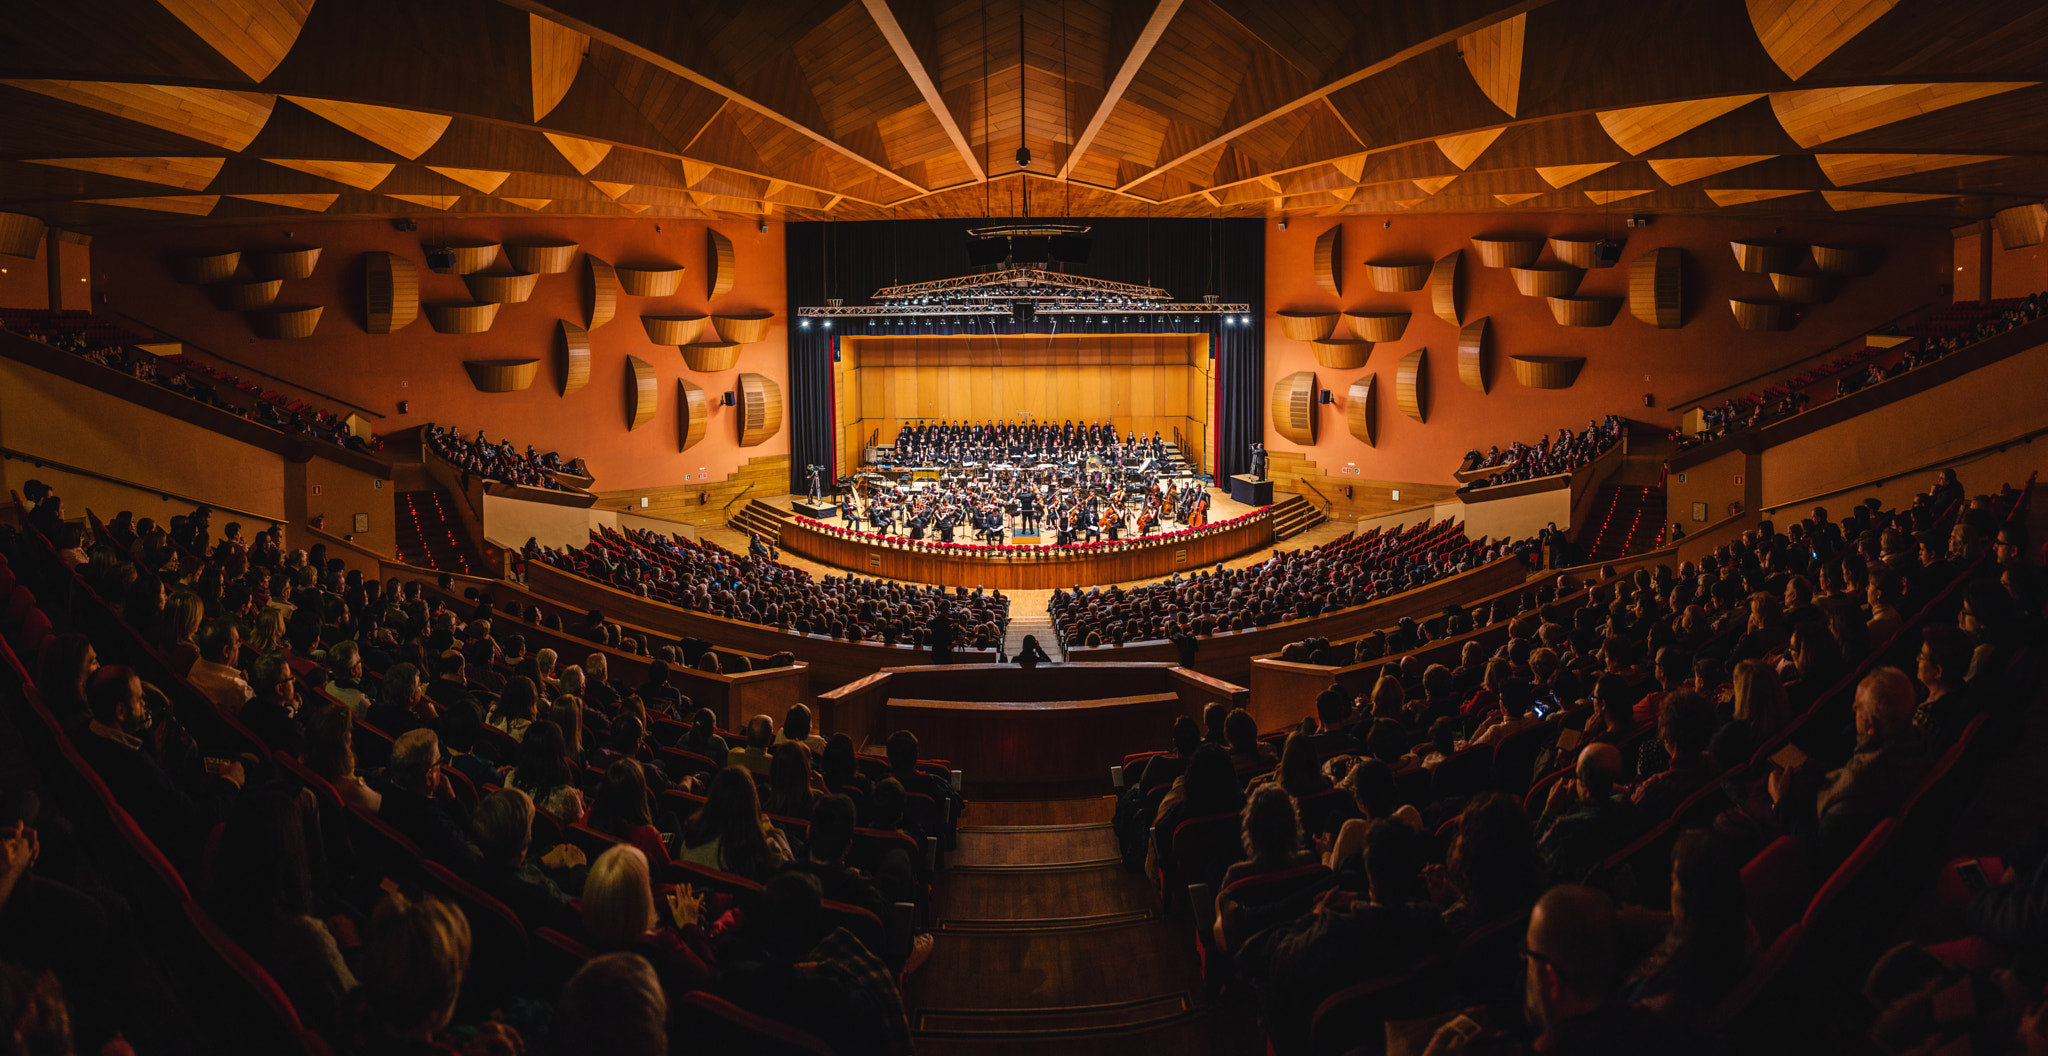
[(39, 462), (1701, 400), (742, 494), (1318, 491), (244, 366), (1939, 463)]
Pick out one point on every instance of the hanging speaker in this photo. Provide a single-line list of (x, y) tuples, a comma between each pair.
[(1326, 396), (728, 399)]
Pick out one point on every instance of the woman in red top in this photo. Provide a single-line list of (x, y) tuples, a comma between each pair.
[(622, 809)]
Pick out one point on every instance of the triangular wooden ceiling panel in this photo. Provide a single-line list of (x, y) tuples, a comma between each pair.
[(1675, 171), (1463, 150), (223, 118), (1982, 127), (254, 35), (362, 175), (1418, 99), (1843, 170), (1800, 34), (1820, 115), (623, 99), (1749, 129), (309, 203), (406, 133), (472, 144), (188, 204), (1844, 201), (1566, 175), (1640, 128), (484, 180), (186, 174), (1611, 197), (533, 204), (1494, 55), (443, 202), (1574, 140), (558, 188), (1726, 196), (419, 179), (554, 57)]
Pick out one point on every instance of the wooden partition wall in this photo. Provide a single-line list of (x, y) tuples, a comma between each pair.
[(1141, 382)]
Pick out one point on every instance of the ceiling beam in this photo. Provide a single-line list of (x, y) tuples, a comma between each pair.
[(1141, 49), (892, 31), (1338, 85), (649, 55)]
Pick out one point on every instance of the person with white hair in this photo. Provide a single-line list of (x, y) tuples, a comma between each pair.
[(1836, 810)]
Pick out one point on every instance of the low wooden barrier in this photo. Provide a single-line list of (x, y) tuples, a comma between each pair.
[(1228, 655), (1028, 568), (1051, 730)]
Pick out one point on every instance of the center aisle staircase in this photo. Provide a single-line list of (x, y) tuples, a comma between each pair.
[(1294, 515), (429, 535), (1044, 943), (1627, 519)]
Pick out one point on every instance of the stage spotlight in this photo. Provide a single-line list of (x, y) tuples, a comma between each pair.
[(803, 324), (828, 324)]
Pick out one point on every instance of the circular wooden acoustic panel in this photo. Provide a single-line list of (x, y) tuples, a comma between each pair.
[(541, 258), (1307, 326), (197, 268), (742, 329), (655, 280), (1547, 372), (1294, 407), (1329, 261), (672, 329), (294, 263), (1378, 326), (245, 294), (501, 375), (460, 317), (1341, 354), (1397, 277), (1547, 280), (760, 409), (1507, 251), (499, 287), (286, 322), (711, 357)]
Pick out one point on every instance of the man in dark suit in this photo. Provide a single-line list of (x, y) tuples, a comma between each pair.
[(112, 743)]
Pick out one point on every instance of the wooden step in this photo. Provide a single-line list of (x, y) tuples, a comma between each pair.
[(1034, 847)]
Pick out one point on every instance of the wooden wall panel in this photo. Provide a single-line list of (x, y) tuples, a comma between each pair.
[(286, 322), (1761, 257), (718, 264), (1411, 384), (1656, 287), (1342, 354), (711, 357), (1361, 410), (459, 317), (1547, 372), (1584, 311), (604, 290), (1378, 326), (499, 287), (541, 257), (1447, 287), (501, 375), (1802, 289), (1307, 326), (654, 280), (1397, 277), (245, 294), (743, 329), (1294, 407), (1761, 315), (641, 396), (1547, 280), (295, 263), (1475, 355), (193, 269), (391, 292), (693, 414), (1329, 261), (760, 409), (1506, 252), (573, 343)]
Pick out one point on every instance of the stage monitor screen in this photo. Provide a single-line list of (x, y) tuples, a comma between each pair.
[(1071, 249), (1030, 249), (987, 252)]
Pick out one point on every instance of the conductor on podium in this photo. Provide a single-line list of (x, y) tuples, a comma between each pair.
[(816, 475), (1258, 462)]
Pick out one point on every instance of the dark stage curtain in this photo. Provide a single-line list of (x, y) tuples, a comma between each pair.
[(1189, 258)]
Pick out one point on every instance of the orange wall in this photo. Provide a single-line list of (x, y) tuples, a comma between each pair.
[(25, 281), (425, 368), (1624, 360), (2017, 272)]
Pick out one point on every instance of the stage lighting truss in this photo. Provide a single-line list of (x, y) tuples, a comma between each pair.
[(1046, 292)]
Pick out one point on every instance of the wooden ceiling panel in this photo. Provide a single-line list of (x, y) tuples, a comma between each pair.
[(851, 108)]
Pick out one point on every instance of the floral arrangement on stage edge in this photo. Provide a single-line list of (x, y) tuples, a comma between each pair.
[(1006, 550)]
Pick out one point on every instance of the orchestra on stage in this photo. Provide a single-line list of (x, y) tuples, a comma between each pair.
[(1078, 483)]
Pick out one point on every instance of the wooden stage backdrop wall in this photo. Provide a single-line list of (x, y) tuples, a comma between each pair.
[(1141, 382)]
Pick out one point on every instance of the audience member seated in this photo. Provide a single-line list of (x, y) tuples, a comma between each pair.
[(1574, 962), (214, 673), (419, 803), (729, 833), (1709, 941), (1544, 458), (499, 461), (175, 812), (623, 809), (794, 967), (1837, 809), (614, 1004), (502, 826), (411, 967), (620, 915), (1585, 818), (546, 770)]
